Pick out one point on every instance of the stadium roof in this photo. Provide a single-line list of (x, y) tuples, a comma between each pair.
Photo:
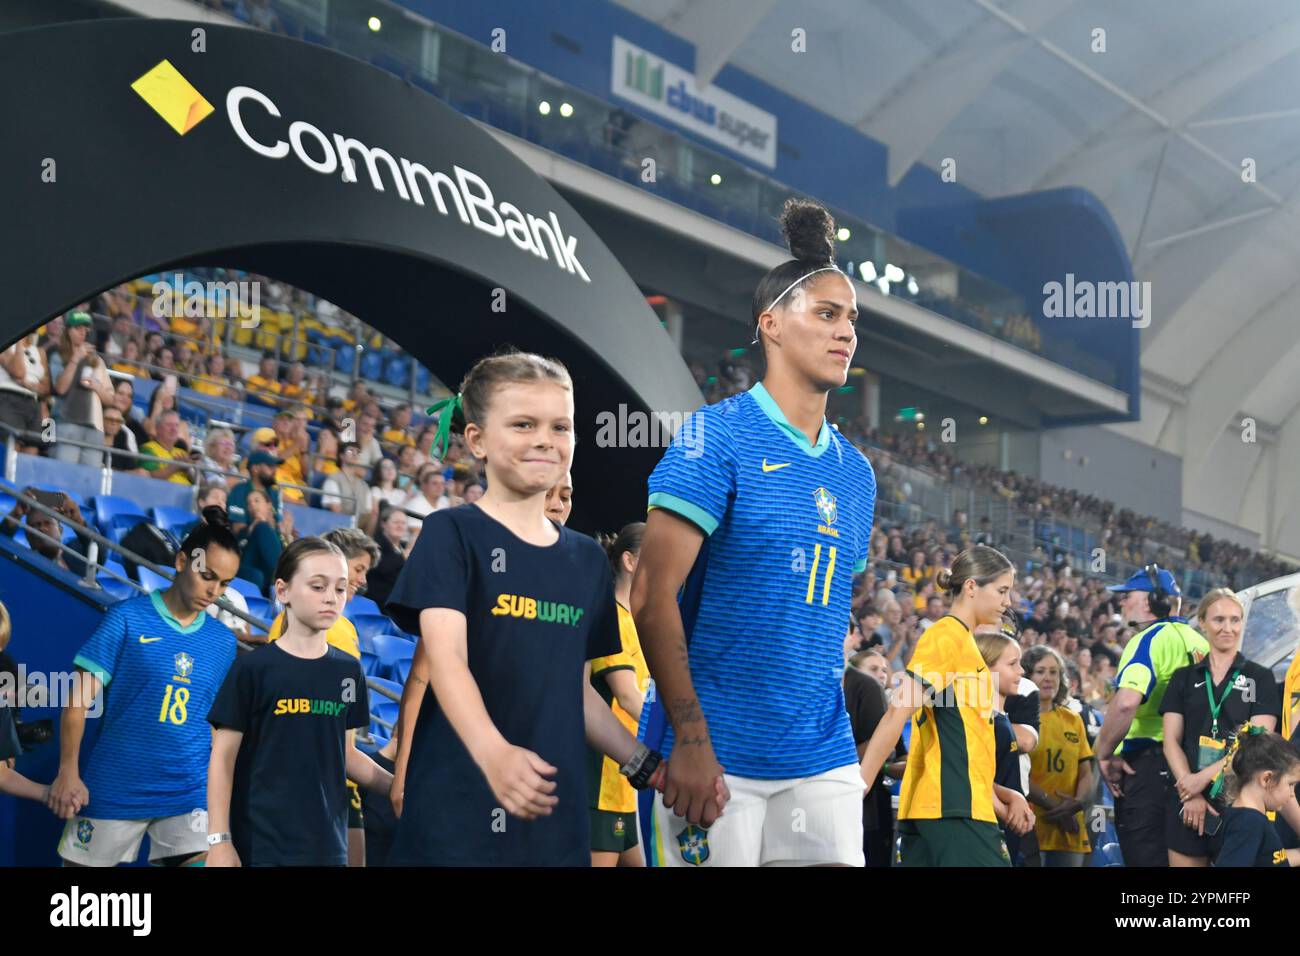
[(1157, 126)]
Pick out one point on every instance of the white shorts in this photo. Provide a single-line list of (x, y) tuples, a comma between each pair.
[(809, 821), (91, 842)]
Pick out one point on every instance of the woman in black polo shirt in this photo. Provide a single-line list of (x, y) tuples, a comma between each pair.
[(1203, 706)]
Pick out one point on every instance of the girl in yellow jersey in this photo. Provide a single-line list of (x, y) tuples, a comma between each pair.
[(1060, 772), (621, 680), (949, 805)]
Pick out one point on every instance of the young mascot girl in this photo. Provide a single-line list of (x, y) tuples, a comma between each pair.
[(281, 753), (949, 804), (510, 607)]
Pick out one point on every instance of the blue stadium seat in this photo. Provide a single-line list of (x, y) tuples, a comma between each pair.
[(372, 365), (246, 588), (402, 669), (369, 664), (369, 625), (259, 606), (174, 520), (390, 649), (152, 581), (375, 743), (421, 379), (114, 515), (397, 372), (360, 604), (384, 709), (118, 589)]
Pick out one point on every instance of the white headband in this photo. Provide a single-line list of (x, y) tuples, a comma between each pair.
[(829, 268)]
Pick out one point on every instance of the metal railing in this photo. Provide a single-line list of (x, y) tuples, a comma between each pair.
[(93, 565), (106, 471)]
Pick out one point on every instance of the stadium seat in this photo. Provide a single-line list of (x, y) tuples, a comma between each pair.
[(370, 664), (360, 604), (118, 589), (246, 588), (115, 515), (368, 625), (390, 649), (386, 710), (259, 606), (174, 520), (402, 669), (152, 581)]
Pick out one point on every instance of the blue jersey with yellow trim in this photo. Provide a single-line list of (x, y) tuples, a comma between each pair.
[(766, 605), (151, 758)]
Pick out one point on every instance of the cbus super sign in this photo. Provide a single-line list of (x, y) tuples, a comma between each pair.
[(468, 192)]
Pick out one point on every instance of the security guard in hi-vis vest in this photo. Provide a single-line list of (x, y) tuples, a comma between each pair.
[(1130, 743)]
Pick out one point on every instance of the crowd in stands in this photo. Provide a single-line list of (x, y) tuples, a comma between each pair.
[(334, 442)]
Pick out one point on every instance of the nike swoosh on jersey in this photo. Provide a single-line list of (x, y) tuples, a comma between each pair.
[(148, 640), (767, 467), (1201, 684)]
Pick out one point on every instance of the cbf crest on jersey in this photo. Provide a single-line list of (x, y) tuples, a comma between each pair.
[(694, 844), (825, 505), (184, 665), (85, 830)]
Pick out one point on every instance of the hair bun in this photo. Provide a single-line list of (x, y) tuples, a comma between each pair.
[(216, 515), (809, 230), (943, 579)]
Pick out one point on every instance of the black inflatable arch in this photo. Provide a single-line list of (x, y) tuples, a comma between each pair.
[(130, 152)]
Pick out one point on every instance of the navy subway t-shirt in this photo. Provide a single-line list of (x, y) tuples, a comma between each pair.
[(289, 803), (1249, 840), (534, 616)]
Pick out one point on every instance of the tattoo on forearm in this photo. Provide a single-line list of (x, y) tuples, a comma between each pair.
[(685, 710)]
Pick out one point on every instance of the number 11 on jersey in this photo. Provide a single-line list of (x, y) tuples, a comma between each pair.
[(812, 575)]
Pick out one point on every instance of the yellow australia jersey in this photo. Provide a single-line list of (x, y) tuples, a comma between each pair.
[(954, 750), (1053, 767), (610, 790), (1291, 697), (342, 634)]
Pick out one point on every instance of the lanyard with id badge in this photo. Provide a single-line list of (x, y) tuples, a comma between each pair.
[(1212, 747)]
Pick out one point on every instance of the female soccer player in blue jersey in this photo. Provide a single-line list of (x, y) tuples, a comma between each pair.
[(511, 607), (159, 660), (763, 512)]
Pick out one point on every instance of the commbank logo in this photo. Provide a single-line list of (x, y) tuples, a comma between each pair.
[(463, 191), (173, 97)]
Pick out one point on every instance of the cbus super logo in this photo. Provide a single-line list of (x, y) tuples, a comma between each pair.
[(183, 108)]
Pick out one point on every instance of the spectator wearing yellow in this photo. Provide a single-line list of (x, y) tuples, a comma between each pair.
[(357, 398), (327, 451), (165, 445), (295, 388), (214, 380), (128, 360), (265, 385), (294, 451), (398, 433)]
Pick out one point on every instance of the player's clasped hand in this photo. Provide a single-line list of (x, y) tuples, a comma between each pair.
[(517, 778), (223, 854), (1020, 818), (694, 787), (67, 795)]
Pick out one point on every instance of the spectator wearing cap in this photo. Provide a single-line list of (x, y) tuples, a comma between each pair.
[(85, 388), (348, 493), (262, 467), (166, 445), (1130, 744)]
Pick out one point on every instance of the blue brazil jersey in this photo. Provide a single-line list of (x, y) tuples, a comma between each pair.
[(151, 758), (766, 606)]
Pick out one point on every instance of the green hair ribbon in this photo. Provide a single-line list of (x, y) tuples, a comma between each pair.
[(1246, 730), (446, 411)]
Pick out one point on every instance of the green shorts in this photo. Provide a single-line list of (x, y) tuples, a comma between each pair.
[(613, 832), (952, 841)]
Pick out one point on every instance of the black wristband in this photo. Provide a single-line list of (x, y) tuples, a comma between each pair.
[(641, 779)]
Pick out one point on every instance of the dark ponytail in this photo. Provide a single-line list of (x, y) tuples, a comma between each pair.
[(213, 529), (1257, 752), (627, 540)]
